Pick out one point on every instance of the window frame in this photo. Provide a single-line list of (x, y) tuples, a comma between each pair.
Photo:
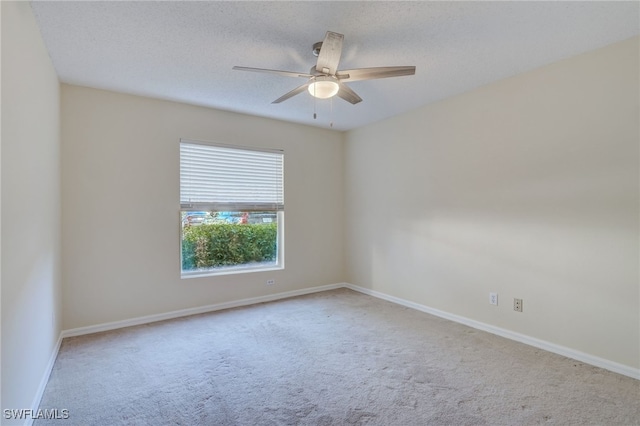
[(279, 210)]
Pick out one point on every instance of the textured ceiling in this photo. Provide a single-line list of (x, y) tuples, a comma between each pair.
[(185, 50)]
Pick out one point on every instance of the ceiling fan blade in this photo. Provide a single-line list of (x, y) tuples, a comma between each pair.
[(348, 94), (277, 72), (330, 52), (292, 93), (373, 73)]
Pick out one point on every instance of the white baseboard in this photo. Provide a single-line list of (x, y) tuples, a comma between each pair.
[(45, 379), (532, 341), (194, 311)]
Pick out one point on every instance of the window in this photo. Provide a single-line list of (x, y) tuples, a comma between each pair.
[(231, 208)]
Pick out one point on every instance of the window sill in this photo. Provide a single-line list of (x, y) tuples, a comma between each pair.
[(230, 271)]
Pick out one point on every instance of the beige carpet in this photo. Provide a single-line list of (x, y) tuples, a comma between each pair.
[(331, 358)]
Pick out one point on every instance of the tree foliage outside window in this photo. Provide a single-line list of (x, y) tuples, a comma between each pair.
[(216, 245)]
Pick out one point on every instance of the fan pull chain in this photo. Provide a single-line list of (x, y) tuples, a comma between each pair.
[(314, 101), (331, 113)]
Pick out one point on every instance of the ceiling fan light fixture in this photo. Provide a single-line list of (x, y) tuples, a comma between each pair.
[(323, 87)]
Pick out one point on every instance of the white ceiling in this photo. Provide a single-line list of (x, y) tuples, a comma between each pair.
[(185, 50)]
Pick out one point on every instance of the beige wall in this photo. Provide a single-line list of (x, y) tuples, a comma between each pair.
[(528, 187), (30, 191), (120, 193)]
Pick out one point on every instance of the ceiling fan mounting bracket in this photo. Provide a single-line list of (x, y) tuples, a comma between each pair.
[(316, 48)]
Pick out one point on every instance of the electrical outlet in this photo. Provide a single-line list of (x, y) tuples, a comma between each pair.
[(517, 305), (271, 282), (493, 298)]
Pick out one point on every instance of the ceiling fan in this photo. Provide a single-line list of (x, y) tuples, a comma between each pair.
[(324, 80)]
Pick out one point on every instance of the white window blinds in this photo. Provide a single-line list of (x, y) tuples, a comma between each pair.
[(224, 178)]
